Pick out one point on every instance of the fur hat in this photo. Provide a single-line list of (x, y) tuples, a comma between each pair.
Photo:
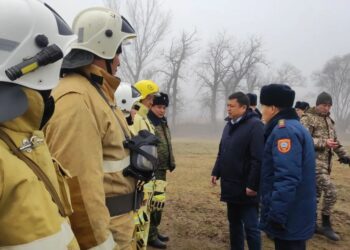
[(302, 105), (279, 95), (161, 99)]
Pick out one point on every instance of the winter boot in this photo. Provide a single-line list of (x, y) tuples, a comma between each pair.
[(157, 243), (318, 230), (163, 237), (327, 229)]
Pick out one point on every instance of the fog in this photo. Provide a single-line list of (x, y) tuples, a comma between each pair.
[(305, 34)]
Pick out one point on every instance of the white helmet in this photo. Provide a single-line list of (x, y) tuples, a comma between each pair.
[(126, 95), (33, 41), (101, 31)]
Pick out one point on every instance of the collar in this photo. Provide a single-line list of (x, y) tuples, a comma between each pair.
[(287, 114), (155, 119), (142, 109), (313, 111), (234, 121), (32, 118), (108, 82), (247, 115)]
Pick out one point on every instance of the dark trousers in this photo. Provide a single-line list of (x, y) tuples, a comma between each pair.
[(243, 220), (156, 216), (290, 244)]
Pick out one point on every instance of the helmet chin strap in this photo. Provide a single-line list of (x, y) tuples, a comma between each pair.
[(109, 62), (108, 66)]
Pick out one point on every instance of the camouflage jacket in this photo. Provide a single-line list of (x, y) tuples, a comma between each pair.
[(165, 150), (321, 128)]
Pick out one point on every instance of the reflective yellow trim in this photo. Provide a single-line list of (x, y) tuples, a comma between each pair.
[(116, 166), (60, 241), (160, 186), (29, 68)]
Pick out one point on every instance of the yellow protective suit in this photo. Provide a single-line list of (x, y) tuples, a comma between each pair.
[(86, 137), (29, 219), (142, 217)]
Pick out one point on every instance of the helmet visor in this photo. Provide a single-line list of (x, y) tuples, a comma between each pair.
[(126, 26), (134, 92)]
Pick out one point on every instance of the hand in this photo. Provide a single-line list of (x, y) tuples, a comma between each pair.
[(213, 180), (249, 192), (331, 143), (344, 160)]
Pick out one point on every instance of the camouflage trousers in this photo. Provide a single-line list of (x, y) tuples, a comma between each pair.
[(326, 188)]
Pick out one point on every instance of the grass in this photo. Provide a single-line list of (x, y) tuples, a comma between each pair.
[(195, 219)]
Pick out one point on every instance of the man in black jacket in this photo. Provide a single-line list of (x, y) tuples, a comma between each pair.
[(238, 165)]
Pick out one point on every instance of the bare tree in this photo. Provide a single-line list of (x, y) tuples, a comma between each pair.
[(244, 58), (151, 24), (254, 79), (335, 79), (290, 75), (213, 69), (113, 4), (176, 57)]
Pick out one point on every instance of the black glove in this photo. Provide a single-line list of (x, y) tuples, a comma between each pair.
[(344, 160), (277, 226)]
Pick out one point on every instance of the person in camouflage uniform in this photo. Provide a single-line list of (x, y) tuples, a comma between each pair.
[(319, 123), (166, 162)]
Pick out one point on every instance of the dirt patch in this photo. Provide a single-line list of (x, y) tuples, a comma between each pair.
[(195, 219)]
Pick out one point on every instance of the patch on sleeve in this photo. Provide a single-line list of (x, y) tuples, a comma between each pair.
[(284, 145), (282, 123)]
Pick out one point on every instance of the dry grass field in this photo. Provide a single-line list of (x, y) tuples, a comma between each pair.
[(195, 219)]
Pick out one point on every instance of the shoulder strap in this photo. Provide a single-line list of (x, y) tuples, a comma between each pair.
[(36, 169), (99, 90)]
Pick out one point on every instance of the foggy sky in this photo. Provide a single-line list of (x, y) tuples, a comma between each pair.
[(305, 33)]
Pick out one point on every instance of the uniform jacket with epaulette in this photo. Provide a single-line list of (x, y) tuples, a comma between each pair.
[(288, 185), (321, 128), (165, 150)]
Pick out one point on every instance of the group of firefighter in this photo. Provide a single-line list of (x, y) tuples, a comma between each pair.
[(83, 156)]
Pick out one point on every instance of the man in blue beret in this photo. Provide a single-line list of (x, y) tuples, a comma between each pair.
[(288, 188)]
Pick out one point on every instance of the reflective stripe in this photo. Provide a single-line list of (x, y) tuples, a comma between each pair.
[(108, 244), (60, 240), (116, 166), (160, 186)]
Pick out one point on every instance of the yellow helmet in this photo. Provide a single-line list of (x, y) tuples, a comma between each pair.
[(146, 87)]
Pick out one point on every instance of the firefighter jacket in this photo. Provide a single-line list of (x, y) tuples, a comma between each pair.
[(86, 134), (29, 219)]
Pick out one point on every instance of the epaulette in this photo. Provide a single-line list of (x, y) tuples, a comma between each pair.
[(282, 123)]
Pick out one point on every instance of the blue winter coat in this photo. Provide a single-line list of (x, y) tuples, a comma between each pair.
[(239, 159), (288, 186)]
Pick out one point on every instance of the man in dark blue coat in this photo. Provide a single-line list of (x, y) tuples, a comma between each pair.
[(238, 165), (288, 188)]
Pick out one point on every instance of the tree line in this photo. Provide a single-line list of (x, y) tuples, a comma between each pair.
[(220, 67)]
